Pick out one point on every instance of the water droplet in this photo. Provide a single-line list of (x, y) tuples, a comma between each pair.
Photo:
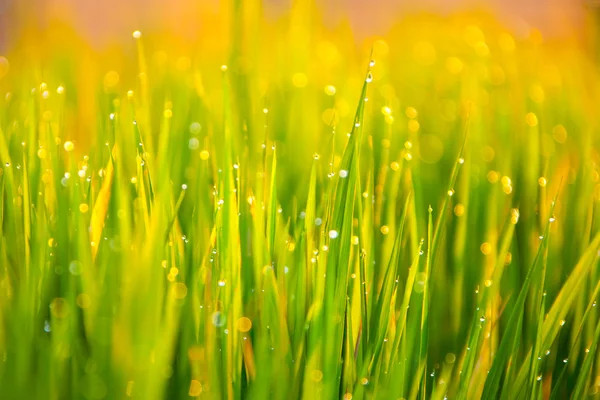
[(75, 267), (333, 234), (193, 144), (69, 146), (137, 34), (514, 216), (184, 186), (218, 318), (372, 63), (451, 192), (316, 156), (343, 173), (223, 67), (461, 160), (369, 77), (221, 282)]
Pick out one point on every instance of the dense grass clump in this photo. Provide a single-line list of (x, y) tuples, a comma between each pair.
[(412, 219)]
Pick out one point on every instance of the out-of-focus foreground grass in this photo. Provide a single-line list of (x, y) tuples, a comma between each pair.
[(269, 213)]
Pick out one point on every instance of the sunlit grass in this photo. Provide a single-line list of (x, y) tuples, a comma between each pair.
[(299, 218)]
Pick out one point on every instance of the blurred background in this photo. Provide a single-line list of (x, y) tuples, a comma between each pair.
[(102, 23)]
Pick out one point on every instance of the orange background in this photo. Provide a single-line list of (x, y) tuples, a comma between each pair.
[(107, 21)]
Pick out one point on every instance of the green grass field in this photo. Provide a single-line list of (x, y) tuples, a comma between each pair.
[(287, 215)]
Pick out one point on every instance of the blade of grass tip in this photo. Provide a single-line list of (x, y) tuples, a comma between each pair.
[(569, 292), (453, 176), (401, 319), (336, 281), (101, 208), (144, 92), (563, 301), (26, 218), (489, 291), (229, 252), (420, 380), (504, 352), (382, 308), (364, 333), (306, 345), (539, 298), (386, 291), (144, 195), (145, 165), (272, 213), (304, 285), (338, 288), (175, 212), (309, 226)]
